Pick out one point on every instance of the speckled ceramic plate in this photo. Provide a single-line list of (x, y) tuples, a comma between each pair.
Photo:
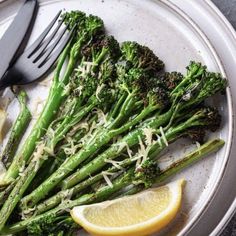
[(171, 29)]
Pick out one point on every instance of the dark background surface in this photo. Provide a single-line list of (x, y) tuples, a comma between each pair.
[(228, 8)]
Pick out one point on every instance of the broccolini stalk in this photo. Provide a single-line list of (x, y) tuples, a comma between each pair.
[(69, 146), (60, 196), (138, 84), (205, 118), (101, 195), (125, 180), (54, 100), (190, 94), (207, 148), (88, 27), (210, 84), (17, 131), (74, 161), (71, 118), (6, 191), (25, 178)]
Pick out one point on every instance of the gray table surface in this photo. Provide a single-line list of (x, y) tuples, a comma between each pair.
[(228, 7)]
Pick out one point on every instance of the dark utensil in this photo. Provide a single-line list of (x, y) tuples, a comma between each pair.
[(15, 35), (36, 61)]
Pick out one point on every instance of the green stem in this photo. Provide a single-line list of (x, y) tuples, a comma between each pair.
[(145, 112), (190, 158), (28, 175), (124, 110), (117, 106), (54, 100), (5, 193), (17, 131), (58, 197), (17, 192), (112, 152), (101, 195), (70, 164), (56, 97), (122, 182)]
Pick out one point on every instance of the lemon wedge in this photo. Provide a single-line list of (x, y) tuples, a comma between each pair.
[(140, 214)]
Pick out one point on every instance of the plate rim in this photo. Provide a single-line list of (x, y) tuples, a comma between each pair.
[(219, 64), (225, 47)]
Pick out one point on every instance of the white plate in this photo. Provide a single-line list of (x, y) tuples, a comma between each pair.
[(177, 40)]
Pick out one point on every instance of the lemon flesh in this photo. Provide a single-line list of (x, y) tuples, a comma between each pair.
[(140, 214)]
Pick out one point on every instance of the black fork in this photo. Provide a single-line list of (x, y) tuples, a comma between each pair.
[(37, 60)]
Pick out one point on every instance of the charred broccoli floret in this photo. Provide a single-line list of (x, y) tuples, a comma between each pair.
[(146, 173)]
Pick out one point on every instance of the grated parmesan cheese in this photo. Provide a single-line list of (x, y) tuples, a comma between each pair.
[(85, 68), (49, 150), (120, 146), (81, 125), (71, 150), (38, 154), (148, 132), (143, 152), (105, 175), (28, 213), (67, 194), (22, 168), (163, 136), (129, 151), (115, 164), (39, 103), (50, 133), (78, 90), (98, 90), (102, 118)]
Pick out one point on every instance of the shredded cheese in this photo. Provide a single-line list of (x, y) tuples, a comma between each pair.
[(67, 194), (22, 168), (120, 146), (78, 90), (106, 178), (38, 154), (67, 89), (143, 152), (38, 104), (85, 68), (163, 136), (28, 213), (89, 134), (148, 132), (50, 133), (138, 164), (129, 151), (81, 70), (50, 151), (71, 150), (81, 125), (115, 164), (102, 118), (98, 90)]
